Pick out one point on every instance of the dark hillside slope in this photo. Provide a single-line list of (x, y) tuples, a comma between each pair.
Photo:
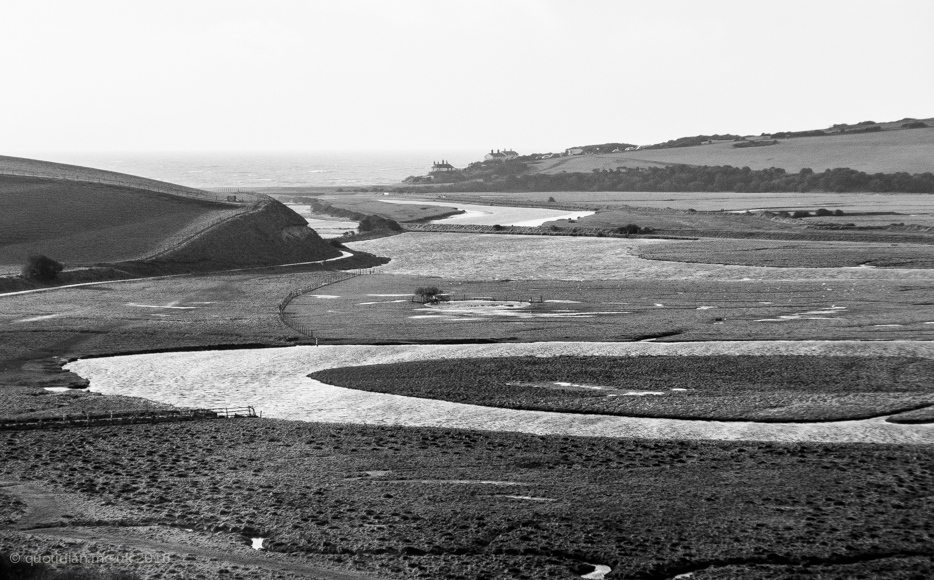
[(80, 223), (269, 233), (83, 224)]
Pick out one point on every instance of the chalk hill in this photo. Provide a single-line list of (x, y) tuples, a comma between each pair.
[(82, 223)]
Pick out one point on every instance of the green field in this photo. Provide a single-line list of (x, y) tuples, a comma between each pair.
[(911, 151)]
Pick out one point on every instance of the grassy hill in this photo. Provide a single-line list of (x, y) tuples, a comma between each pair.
[(889, 150), (85, 223)]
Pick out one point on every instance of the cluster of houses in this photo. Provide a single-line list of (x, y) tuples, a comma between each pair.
[(442, 167), (505, 155)]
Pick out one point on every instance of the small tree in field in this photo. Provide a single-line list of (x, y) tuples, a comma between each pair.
[(41, 268), (428, 294)]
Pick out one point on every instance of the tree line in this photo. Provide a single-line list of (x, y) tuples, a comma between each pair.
[(686, 178)]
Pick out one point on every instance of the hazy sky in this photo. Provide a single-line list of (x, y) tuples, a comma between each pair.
[(439, 75)]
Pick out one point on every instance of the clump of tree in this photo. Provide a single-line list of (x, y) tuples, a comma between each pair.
[(786, 134), (374, 222), (40, 268), (763, 143), (630, 229), (692, 141), (915, 125), (429, 295)]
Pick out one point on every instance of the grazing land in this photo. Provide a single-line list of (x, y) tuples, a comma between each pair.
[(910, 151), (793, 254), (717, 388)]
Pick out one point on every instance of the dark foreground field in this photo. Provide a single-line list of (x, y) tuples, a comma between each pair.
[(394, 502)]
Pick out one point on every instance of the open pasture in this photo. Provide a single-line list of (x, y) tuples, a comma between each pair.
[(497, 257), (374, 204), (793, 254), (910, 150), (378, 309), (902, 207), (76, 223)]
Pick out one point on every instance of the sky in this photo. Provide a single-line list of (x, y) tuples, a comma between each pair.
[(387, 75)]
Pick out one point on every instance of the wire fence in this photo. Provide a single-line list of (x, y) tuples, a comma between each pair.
[(290, 320), (126, 418), (234, 196)]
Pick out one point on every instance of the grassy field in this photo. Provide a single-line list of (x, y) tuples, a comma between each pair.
[(792, 254), (376, 309), (391, 502), (901, 206), (77, 223), (716, 388), (910, 151), (373, 204), (497, 257)]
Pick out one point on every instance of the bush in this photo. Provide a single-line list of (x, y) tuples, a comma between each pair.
[(627, 229), (915, 125), (823, 212), (838, 212), (374, 222), (498, 228), (429, 294), (801, 214), (551, 200), (40, 268)]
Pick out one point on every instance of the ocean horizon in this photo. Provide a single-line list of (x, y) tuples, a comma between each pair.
[(257, 170)]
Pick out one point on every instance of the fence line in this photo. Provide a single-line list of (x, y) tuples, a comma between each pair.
[(288, 319), (127, 418), (235, 197)]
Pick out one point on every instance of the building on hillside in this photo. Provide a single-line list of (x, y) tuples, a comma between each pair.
[(442, 167), (505, 155), (575, 151)]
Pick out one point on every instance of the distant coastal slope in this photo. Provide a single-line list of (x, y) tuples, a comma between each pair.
[(885, 151), (85, 223)]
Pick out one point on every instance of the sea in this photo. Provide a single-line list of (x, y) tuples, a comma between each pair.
[(260, 170)]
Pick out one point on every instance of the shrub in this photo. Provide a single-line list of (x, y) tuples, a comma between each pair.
[(375, 222), (915, 125), (838, 212), (823, 212), (551, 200), (41, 269), (428, 294), (627, 229), (498, 228), (801, 214)]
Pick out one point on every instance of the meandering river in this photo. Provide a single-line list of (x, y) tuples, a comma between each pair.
[(275, 382)]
